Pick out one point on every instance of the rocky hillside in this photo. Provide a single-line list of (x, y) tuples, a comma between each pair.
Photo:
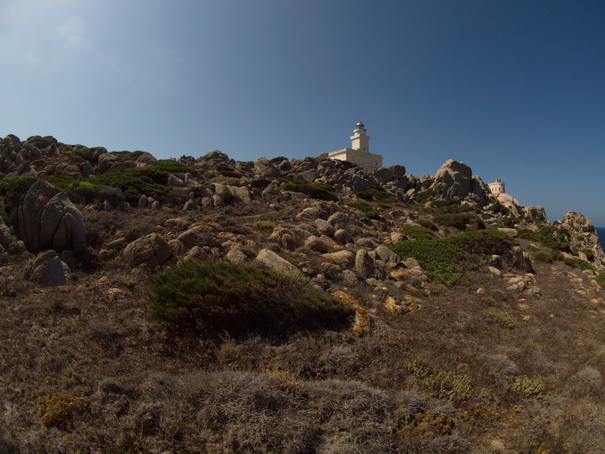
[(284, 305)]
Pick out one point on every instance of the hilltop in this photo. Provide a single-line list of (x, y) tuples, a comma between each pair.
[(285, 305)]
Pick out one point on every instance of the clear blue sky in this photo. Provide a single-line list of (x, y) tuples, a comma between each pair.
[(516, 89)]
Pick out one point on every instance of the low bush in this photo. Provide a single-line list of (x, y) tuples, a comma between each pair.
[(424, 196), (444, 258), (498, 208), (483, 242), (378, 194), (320, 191), (527, 386), (543, 256), (438, 257), (501, 318), (62, 182), (365, 209), (460, 221), (261, 224), (168, 165), (260, 183), (218, 296), (428, 224), (417, 232), (59, 410), (135, 182), (549, 235), (442, 385), (578, 263), (13, 189), (232, 181), (601, 279), (454, 206)]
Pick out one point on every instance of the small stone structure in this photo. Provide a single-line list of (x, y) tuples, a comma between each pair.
[(497, 187), (359, 153)]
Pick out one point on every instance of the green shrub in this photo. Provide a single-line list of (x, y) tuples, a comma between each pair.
[(549, 235), (601, 279), (527, 386), (417, 232), (231, 173), (438, 257), (81, 155), (278, 159), (135, 182), (483, 242), (378, 194), (15, 188), (62, 182), (260, 183), (365, 209), (454, 206), (169, 165), (428, 224), (423, 196), (129, 155), (442, 385), (216, 296), (543, 256), (498, 208), (459, 221), (233, 181), (501, 318), (260, 224), (444, 258), (578, 263), (320, 191), (291, 186)]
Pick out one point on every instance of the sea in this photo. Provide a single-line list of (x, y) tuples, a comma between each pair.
[(601, 232)]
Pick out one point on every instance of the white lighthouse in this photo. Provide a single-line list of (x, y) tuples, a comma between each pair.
[(359, 153)]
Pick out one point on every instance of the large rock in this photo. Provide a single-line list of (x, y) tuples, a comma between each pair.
[(6, 237), (365, 264), (453, 179), (390, 258), (271, 260), (150, 251), (48, 270), (519, 260), (265, 169), (583, 235), (48, 219), (535, 214)]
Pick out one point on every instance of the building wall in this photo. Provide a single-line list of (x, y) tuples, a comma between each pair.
[(357, 157), (496, 187)]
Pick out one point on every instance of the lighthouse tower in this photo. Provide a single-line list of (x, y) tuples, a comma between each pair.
[(360, 140), (359, 153)]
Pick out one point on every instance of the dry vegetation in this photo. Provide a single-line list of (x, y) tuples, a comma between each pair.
[(470, 367), (85, 369)]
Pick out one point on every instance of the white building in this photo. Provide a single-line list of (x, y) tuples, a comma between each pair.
[(359, 153), (497, 187)]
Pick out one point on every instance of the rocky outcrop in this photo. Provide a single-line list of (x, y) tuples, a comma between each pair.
[(48, 219), (455, 180), (584, 240), (48, 270), (150, 251), (273, 261)]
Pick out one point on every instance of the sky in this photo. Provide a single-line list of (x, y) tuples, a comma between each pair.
[(513, 88)]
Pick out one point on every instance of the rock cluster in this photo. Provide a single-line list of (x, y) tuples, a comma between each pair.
[(48, 219), (328, 241)]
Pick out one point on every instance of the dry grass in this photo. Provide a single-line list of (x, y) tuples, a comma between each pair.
[(140, 388)]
